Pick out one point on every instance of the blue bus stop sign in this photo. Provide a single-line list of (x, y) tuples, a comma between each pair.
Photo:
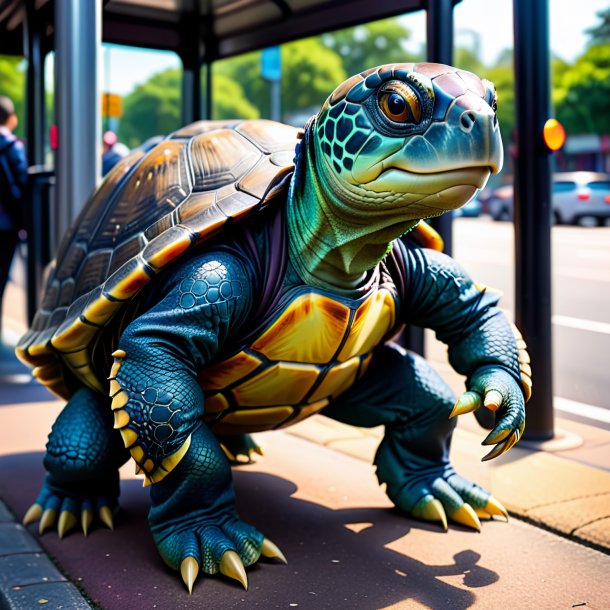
[(271, 64)]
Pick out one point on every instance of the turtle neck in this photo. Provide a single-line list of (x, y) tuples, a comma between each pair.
[(333, 245)]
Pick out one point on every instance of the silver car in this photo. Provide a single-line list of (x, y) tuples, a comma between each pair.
[(578, 198)]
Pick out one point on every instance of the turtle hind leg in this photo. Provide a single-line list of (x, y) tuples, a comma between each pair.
[(239, 448), (405, 394), (83, 456)]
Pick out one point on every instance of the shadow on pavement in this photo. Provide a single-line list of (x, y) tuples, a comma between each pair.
[(337, 558)]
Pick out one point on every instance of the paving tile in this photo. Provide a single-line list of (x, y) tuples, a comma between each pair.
[(526, 480), (27, 569), (597, 533), (14, 538), (50, 596), (569, 516)]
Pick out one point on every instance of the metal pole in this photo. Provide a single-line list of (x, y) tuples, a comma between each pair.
[(439, 31), (35, 106), (78, 27), (533, 208), (439, 38), (209, 98)]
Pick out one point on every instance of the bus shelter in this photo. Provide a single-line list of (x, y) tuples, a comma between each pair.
[(204, 31)]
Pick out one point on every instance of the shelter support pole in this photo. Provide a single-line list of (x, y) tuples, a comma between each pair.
[(78, 27), (192, 60), (533, 208), (35, 103), (439, 31)]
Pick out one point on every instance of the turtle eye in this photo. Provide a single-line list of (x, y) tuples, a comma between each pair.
[(400, 103)]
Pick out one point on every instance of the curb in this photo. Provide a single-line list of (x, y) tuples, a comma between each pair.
[(28, 577)]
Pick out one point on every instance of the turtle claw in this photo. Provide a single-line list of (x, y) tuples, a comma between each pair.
[(465, 515), (105, 515), (430, 509), (231, 565), (189, 569), (86, 518), (33, 514), (67, 521), (47, 520), (466, 403), (494, 508), (271, 551)]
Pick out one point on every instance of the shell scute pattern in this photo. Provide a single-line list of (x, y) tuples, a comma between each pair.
[(150, 210)]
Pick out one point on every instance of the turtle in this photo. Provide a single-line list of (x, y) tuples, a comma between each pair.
[(244, 275)]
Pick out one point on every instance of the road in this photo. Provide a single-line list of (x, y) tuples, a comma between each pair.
[(581, 304)]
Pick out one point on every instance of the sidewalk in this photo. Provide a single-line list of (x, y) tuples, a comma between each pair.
[(316, 496)]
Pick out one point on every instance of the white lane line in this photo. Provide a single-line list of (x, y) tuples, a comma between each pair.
[(580, 324), (579, 408)]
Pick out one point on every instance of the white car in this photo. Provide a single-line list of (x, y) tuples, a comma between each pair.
[(578, 198)]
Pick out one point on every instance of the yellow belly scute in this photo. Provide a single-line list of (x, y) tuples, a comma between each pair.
[(282, 383), (229, 371), (313, 352), (309, 330), (373, 320)]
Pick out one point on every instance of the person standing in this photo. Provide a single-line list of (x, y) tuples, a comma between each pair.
[(13, 178)]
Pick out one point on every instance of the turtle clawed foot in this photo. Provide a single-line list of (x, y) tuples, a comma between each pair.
[(455, 499), (52, 510), (228, 549), (230, 565)]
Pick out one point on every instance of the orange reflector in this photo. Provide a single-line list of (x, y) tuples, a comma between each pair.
[(554, 134)]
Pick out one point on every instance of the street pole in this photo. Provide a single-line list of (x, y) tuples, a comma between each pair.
[(78, 27), (533, 208), (439, 30), (439, 39)]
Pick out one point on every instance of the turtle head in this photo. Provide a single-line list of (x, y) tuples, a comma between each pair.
[(419, 138)]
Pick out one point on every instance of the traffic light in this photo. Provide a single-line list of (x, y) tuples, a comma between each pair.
[(553, 134)]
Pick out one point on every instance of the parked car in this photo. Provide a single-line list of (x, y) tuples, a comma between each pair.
[(577, 198)]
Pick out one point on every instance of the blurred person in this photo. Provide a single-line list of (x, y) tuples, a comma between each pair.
[(113, 152), (13, 178)]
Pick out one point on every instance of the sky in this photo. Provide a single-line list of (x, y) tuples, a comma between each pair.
[(484, 23)]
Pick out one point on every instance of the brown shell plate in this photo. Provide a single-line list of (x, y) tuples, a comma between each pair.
[(151, 209)]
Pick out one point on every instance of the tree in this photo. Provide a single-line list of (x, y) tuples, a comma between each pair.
[(152, 108), (310, 72), (581, 92), (601, 32), (370, 45), (12, 84)]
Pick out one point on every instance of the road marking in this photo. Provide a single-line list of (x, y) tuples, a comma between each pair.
[(583, 410), (580, 324)]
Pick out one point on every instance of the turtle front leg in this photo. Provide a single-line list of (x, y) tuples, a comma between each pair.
[(402, 392), (193, 518), (83, 456)]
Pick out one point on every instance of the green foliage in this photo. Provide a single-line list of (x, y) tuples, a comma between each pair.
[(229, 101), (12, 84), (601, 32), (370, 45), (152, 108), (310, 72), (581, 92)]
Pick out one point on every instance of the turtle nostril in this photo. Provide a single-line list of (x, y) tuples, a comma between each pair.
[(467, 121)]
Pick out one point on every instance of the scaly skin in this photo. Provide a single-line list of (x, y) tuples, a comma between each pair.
[(387, 149)]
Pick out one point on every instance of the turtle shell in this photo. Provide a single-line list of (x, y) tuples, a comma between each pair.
[(151, 209)]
